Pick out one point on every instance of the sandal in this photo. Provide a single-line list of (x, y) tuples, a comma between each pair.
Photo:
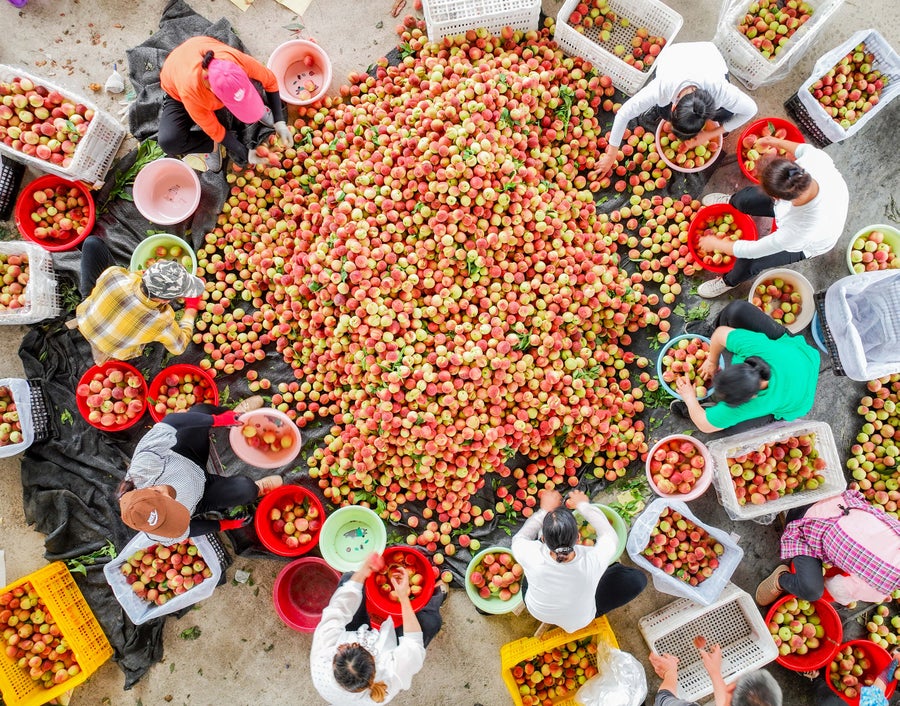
[(443, 589)]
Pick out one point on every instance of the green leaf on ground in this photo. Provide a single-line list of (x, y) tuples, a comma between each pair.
[(191, 633)]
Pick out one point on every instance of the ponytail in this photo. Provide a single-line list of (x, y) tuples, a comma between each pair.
[(207, 58), (560, 533), (782, 178), (377, 691)]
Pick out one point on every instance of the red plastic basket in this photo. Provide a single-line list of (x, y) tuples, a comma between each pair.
[(26, 204), (181, 370), (268, 536), (302, 591), (756, 128), (699, 221), (815, 659), (379, 606), (107, 367), (879, 658)]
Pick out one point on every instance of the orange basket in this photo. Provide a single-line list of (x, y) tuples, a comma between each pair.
[(526, 648), (59, 592)]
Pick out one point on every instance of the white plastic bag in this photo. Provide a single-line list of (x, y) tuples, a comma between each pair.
[(886, 60), (621, 682), (863, 313), (139, 610), (746, 62), (21, 394), (710, 589)]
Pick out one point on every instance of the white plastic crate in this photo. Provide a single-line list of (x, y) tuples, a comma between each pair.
[(446, 18), (722, 449), (733, 621), (42, 300), (886, 61), (660, 21), (746, 62), (21, 395), (95, 150), (707, 591)]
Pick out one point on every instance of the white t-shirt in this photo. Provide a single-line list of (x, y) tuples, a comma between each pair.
[(563, 594), (396, 662), (814, 227), (688, 64)]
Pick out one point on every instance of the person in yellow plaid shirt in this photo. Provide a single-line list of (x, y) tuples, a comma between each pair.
[(124, 311)]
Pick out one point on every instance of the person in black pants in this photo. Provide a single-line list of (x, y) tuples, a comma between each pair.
[(167, 485), (771, 375)]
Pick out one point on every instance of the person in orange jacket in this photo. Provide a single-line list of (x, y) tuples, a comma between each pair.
[(203, 75)]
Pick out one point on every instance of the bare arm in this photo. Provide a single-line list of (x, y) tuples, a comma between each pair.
[(786, 145)]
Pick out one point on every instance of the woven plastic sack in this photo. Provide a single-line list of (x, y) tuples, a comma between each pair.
[(710, 589), (863, 313), (886, 60), (139, 610), (621, 682), (21, 394)]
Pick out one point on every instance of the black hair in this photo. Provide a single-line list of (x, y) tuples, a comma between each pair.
[(126, 486), (354, 670), (739, 383), (757, 688), (690, 113), (560, 532), (781, 178), (207, 57)]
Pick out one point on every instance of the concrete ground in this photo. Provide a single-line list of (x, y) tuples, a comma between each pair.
[(245, 655)]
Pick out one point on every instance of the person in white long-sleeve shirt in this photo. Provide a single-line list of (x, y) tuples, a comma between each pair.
[(568, 584), (351, 663), (690, 88), (807, 197)]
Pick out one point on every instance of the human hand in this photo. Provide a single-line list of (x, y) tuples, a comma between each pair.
[(689, 144), (575, 498), (712, 660), (766, 141), (254, 158), (664, 664), (400, 582), (192, 303), (605, 163), (373, 562), (686, 389), (550, 500), (284, 134), (709, 368), (709, 243)]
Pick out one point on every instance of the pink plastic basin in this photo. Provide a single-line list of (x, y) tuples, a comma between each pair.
[(166, 191), (303, 71), (262, 456)]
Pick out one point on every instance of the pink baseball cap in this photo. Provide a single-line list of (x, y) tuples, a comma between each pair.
[(231, 85)]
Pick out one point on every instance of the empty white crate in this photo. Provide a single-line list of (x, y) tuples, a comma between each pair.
[(722, 449), (659, 19), (747, 63), (733, 621), (446, 18)]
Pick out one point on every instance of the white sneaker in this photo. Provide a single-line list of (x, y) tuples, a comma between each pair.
[(713, 288), (205, 161), (714, 198)]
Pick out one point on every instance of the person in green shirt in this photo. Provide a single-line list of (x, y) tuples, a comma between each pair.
[(772, 373)]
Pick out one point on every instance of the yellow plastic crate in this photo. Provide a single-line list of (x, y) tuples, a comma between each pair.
[(62, 597), (527, 647)]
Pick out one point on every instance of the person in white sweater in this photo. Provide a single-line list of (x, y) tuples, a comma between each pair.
[(807, 197), (690, 88), (567, 584)]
